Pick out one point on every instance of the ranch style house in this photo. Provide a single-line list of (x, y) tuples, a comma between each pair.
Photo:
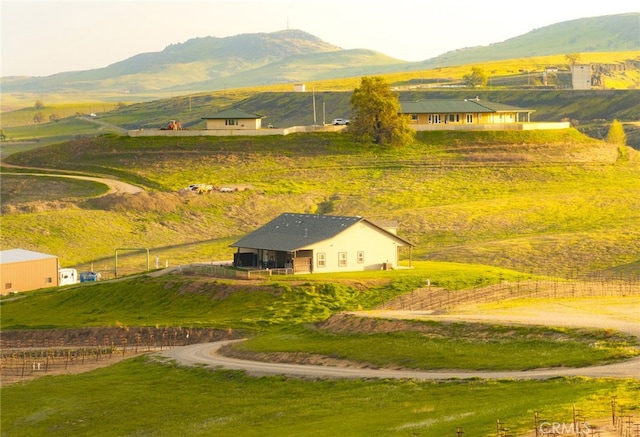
[(235, 119), (308, 243), (467, 114)]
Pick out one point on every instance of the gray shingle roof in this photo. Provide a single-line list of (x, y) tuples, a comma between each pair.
[(441, 106), (21, 255), (289, 232)]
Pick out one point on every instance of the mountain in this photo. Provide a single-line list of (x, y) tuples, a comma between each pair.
[(609, 33), (206, 64), (213, 63)]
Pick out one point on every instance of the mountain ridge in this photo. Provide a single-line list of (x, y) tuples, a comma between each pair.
[(211, 63)]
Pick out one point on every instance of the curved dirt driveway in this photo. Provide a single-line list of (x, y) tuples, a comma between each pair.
[(207, 353), (115, 186)]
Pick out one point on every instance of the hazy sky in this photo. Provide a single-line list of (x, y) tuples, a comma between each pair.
[(40, 38)]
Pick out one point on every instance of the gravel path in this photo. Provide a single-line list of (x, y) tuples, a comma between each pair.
[(207, 353)]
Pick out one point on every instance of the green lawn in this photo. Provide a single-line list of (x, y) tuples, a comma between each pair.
[(142, 397), (436, 346)]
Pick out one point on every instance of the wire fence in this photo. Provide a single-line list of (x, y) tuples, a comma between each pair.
[(435, 298)]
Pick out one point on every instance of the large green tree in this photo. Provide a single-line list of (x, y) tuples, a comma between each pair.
[(376, 114), (477, 77)]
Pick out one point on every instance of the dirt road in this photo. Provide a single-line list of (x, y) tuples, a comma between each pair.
[(114, 185), (207, 353)]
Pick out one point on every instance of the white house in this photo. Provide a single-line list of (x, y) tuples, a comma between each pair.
[(317, 243)]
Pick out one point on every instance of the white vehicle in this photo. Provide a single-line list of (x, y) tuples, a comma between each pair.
[(201, 188), (67, 276), (340, 122)]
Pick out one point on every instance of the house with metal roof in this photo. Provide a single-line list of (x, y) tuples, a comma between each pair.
[(467, 114), (234, 119), (25, 270), (306, 243)]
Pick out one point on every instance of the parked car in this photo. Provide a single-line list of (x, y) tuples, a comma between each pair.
[(340, 122)]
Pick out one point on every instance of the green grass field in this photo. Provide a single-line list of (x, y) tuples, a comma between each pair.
[(528, 201), (150, 397), (211, 302), (481, 208), (435, 346), (142, 397)]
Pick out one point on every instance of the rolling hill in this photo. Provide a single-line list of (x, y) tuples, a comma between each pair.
[(611, 33), (552, 202), (206, 64)]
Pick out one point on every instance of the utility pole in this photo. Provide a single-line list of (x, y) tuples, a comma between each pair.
[(314, 106)]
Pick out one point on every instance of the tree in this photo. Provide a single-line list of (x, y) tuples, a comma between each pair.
[(572, 59), (477, 77), (376, 114), (38, 105), (616, 134), (38, 117)]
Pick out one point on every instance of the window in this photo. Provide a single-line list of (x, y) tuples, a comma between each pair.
[(360, 257), (414, 118), (342, 259), (231, 122), (469, 118), (48, 280), (8, 285), (322, 260)]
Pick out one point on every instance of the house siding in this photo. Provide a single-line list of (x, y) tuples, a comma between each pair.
[(242, 124), (376, 246)]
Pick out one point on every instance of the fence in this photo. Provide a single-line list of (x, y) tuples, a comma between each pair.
[(434, 298), (35, 353), (218, 271)]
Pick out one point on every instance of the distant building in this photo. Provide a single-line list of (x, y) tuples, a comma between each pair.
[(24, 270), (581, 77), (307, 243), (299, 88), (234, 119)]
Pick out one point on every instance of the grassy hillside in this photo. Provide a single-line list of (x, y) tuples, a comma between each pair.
[(594, 34), (142, 396), (139, 394), (553, 202)]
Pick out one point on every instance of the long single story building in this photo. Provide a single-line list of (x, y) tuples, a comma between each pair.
[(25, 270)]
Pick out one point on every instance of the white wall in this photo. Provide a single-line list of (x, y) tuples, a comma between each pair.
[(377, 247)]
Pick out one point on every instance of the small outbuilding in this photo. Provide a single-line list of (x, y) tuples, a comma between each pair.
[(25, 270), (234, 119), (314, 243)]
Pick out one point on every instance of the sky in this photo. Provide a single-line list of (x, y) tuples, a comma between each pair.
[(40, 38)]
